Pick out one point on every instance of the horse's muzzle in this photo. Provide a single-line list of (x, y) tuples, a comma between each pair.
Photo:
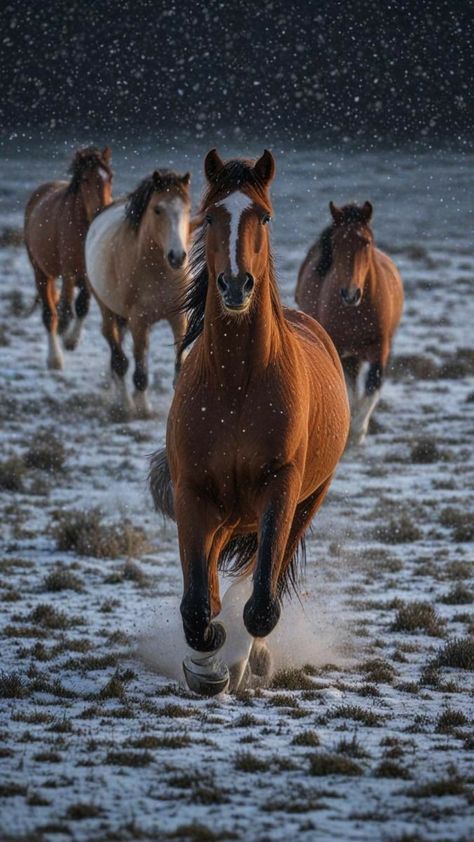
[(176, 259), (236, 291), (351, 299)]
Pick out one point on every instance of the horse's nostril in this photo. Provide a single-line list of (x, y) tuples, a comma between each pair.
[(249, 283), (221, 283), (344, 293)]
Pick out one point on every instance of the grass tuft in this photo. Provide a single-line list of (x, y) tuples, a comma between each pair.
[(84, 532), (291, 679), (62, 579), (45, 452), (333, 764), (12, 472), (450, 719), (458, 653), (401, 530), (419, 616)]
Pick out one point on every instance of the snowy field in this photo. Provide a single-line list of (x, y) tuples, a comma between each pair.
[(366, 731)]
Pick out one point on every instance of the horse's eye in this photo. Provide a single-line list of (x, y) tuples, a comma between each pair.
[(266, 218), (157, 209), (208, 218)]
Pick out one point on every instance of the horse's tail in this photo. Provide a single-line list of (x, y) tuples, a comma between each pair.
[(31, 309), (161, 487)]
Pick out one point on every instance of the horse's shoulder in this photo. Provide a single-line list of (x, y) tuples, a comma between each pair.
[(309, 329)]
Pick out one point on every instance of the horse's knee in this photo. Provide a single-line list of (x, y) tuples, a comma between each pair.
[(118, 361), (374, 379), (140, 377), (261, 616)]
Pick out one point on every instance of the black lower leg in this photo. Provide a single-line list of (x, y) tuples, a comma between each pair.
[(118, 360), (47, 317), (65, 315), (140, 377), (262, 611), (82, 302), (374, 378)]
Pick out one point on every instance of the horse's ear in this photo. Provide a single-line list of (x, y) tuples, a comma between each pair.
[(107, 154), (213, 164), (264, 168), (336, 213), (367, 211), (186, 178), (156, 178)]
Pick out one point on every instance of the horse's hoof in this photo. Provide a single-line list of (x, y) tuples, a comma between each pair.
[(70, 343), (207, 677), (55, 363)]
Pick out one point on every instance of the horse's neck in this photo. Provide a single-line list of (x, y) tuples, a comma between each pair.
[(238, 348)]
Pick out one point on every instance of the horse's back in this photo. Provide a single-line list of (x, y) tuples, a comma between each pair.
[(390, 283), (43, 216)]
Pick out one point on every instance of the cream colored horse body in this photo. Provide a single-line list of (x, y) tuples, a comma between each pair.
[(137, 274)]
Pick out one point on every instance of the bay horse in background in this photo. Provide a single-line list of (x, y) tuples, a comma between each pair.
[(258, 423), (355, 291), (57, 218), (136, 255)]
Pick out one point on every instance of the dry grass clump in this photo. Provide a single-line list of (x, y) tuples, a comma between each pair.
[(129, 758), (413, 367), (391, 769), (440, 788), (245, 761), (459, 594), (84, 533), (458, 653), (378, 671), (351, 748), (450, 719), (62, 579), (45, 452), (417, 616), (11, 237), (306, 738), (459, 521), (12, 472), (458, 365), (398, 530), (13, 686), (425, 451), (80, 811), (291, 679), (357, 714), (49, 617), (333, 764)]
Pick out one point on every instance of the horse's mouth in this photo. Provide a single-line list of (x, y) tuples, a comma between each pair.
[(236, 308)]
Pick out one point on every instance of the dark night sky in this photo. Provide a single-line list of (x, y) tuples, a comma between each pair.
[(296, 69)]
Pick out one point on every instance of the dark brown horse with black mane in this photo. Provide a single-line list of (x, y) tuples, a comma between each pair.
[(354, 290), (57, 218), (257, 425)]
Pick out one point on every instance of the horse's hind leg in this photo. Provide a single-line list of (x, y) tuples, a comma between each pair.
[(141, 335), (65, 312), (82, 303), (47, 293), (112, 331)]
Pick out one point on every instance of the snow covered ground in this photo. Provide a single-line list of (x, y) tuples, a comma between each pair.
[(366, 732)]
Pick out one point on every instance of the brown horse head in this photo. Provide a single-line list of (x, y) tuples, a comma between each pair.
[(92, 179), (351, 244), (236, 209), (159, 211)]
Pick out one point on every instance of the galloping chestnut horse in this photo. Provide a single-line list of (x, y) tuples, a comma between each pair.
[(57, 217), (257, 425), (354, 290), (136, 260)]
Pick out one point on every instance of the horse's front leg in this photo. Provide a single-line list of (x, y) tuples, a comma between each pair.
[(200, 542), (367, 403), (141, 339), (262, 611)]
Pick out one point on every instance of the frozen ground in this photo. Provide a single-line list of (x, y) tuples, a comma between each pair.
[(367, 735)]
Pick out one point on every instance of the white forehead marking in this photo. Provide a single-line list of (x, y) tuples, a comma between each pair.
[(177, 212), (103, 174), (235, 204)]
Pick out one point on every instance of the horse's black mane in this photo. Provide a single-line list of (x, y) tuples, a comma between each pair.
[(137, 200), (234, 175), (352, 213), (86, 159)]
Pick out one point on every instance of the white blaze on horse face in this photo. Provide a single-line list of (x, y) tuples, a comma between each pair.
[(178, 217), (103, 174), (235, 205)]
